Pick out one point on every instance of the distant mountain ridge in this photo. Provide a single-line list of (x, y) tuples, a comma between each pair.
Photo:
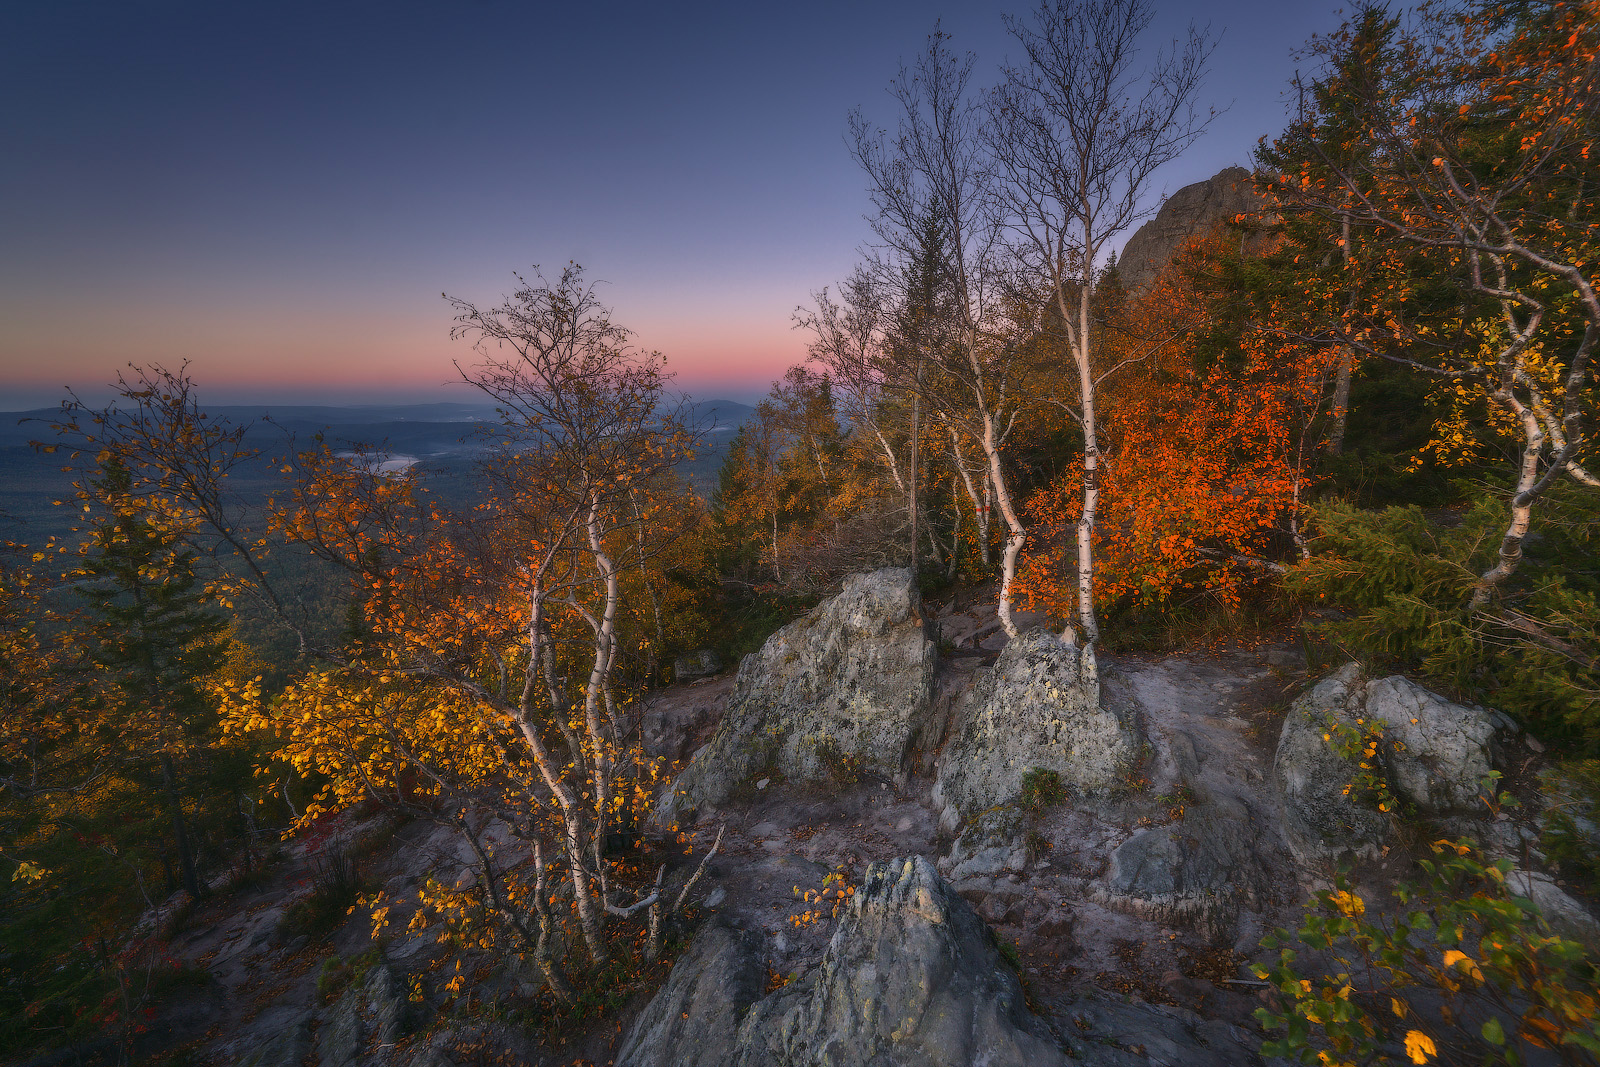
[(438, 424)]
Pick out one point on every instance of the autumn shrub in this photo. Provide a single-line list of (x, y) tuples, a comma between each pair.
[(1463, 970), (1401, 584), (335, 888)]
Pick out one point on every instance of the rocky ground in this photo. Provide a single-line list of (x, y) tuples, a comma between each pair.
[(1115, 923)]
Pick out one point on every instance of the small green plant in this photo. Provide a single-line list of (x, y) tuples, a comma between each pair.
[(1465, 970), (1010, 953), (1360, 742), (1035, 845), (335, 889), (1571, 820), (1041, 789), (841, 767)]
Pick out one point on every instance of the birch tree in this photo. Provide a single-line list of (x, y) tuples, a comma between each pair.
[(1079, 131), (1478, 156), (937, 165)]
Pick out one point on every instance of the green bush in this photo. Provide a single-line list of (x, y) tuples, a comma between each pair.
[(1041, 789), (1402, 582), (1463, 971)]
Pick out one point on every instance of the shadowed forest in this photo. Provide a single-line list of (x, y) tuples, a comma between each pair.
[(1335, 408)]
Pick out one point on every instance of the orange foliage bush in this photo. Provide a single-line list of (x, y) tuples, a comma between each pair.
[(1206, 459)]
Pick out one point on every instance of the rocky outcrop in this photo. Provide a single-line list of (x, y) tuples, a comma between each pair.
[(1433, 754), (1188, 213), (1197, 871), (694, 1019), (911, 976), (845, 689), (1437, 754), (1034, 709), (701, 664), (371, 1011)]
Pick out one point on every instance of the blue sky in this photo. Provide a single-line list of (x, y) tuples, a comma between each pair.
[(280, 192)]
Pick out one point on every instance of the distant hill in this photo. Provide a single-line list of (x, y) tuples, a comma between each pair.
[(440, 438)]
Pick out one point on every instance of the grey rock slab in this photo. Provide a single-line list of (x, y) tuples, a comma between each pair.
[(1106, 1033), (1039, 706), (1437, 753), (372, 1009), (911, 976), (1198, 870), (853, 680), (1320, 821), (286, 1046)]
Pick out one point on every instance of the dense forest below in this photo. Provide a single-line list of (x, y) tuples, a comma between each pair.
[(1340, 403)]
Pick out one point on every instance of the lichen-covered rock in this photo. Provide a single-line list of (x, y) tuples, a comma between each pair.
[(1436, 753), (1035, 708), (1198, 870), (847, 688), (701, 664), (991, 843), (694, 1018), (1320, 821), (1433, 754), (911, 976)]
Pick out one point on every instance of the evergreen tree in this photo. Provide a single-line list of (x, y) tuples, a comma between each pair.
[(155, 638)]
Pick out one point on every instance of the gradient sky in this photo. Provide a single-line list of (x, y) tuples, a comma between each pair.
[(279, 191)]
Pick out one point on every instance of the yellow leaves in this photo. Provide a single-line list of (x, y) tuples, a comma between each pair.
[(1459, 961), (28, 871), (1348, 904), (1420, 1047)]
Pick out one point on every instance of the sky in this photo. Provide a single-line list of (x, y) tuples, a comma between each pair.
[(279, 193)]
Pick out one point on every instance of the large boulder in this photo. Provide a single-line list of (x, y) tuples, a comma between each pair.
[(911, 976), (1036, 708), (1433, 754), (1320, 820), (1197, 871), (845, 689), (1437, 754)]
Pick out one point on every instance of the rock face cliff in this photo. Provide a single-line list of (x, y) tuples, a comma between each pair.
[(1189, 212), (847, 688), (911, 976), (1033, 710)]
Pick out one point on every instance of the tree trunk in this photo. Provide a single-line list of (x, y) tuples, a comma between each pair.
[(1341, 384), (180, 833), (980, 507), (1510, 555), (916, 449), (1016, 533)]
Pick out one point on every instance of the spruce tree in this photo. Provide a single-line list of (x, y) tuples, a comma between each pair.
[(154, 639)]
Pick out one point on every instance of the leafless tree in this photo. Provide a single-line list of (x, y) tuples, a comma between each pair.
[(936, 168), (1079, 131)]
